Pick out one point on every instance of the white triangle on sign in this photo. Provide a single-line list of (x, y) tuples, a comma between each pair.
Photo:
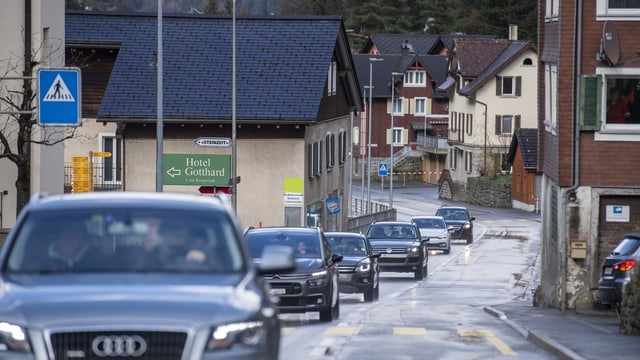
[(383, 167), (58, 91)]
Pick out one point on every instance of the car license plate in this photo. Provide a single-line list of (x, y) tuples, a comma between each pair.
[(278, 291), (345, 277), (608, 270)]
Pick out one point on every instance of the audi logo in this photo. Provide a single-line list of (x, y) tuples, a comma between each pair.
[(119, 346)]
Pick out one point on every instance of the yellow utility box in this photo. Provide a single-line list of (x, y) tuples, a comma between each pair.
[(578, 249)]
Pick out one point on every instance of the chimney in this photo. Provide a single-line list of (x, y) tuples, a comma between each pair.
[(407, 48), (513, 32)]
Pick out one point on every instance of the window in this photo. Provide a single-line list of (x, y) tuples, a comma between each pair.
[(420, 106), (397, 135), (552, 10), (398, 106), (314, 159), (550, 97), (342, 147), (112, 166), (453, 160), (469, 124), (527, 62), (616, 9), (616, 112), (332, 79), (506, 124), (310, 165), (414, 78), (454, 119), (330, 144), (468, 161), (508, 85)]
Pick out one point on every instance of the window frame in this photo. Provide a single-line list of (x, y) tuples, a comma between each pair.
[(552, 10), (114, 161), (400, 102), (604, 12), (615, 132), (413, 78), (422, 100), (551, 97)]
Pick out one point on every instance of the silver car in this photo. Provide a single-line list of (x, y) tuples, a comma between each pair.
[(134, 275), (434, 229)]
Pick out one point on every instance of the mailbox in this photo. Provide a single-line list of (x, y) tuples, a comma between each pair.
[(578, 249)]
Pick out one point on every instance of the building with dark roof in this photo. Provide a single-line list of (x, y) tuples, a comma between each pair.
[(296, 90), (526, 180)]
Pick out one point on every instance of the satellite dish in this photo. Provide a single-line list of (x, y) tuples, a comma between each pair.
[(610, 43)]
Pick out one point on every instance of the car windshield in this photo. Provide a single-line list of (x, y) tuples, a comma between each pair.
[(392, 231), (429, 223), (347, 245), (627, 247), (304, 244), (452, 214), (118, 240)]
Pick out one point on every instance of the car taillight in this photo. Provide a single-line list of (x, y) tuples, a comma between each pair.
[(625, 265)]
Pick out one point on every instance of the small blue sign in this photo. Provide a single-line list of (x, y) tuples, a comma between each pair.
[(59, 102), (333, 205), (383, 169)]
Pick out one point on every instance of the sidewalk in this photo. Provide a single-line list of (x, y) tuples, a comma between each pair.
[(570, 335)]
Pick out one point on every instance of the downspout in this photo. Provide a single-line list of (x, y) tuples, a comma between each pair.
[(565, 193)]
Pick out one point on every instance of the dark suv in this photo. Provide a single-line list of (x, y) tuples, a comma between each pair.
[(459, 222), (617, 270), (109, 275), (313, 285), (400, 246)]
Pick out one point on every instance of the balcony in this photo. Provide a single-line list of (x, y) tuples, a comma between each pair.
[(432, 144)]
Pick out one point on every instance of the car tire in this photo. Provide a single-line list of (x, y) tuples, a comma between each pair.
[(376, 292), (368, 295), (469, 240), (420, 273), (447, 250), (332, 313)]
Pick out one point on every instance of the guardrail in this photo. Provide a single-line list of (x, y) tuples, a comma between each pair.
[(379, 212)]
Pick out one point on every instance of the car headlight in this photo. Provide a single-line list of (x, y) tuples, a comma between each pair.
[(467, 225), (236, 334), (13, 338), (318, 278), (364, 266), (414, 249)]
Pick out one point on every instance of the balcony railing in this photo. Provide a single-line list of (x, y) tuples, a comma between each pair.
[(433, 144)]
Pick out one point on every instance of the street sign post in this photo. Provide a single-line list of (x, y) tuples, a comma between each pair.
[(59, 97), (196, 169)]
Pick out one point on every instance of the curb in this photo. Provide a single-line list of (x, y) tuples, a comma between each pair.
[(540, 340)]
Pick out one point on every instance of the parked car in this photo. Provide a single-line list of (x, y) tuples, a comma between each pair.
[(434, 230), (359, 270), (617, 270), (135, 275), (400, 246), (459, 222), (313, 285)]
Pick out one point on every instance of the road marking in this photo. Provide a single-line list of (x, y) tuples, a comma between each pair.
[(413, 331), (489, 335), (286, 330), (342, 331)]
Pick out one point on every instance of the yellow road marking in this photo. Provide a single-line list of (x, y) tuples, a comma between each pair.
[(286, 330), (409, 331), (342, 330), (489, 335)]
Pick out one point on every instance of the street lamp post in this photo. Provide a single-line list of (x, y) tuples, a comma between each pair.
[(371, 61), (159, 121), (393, 88)]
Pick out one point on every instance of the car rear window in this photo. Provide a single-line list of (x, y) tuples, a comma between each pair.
[(627, 246)]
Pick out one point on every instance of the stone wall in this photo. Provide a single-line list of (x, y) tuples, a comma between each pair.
[(630, 307), (488, 193)]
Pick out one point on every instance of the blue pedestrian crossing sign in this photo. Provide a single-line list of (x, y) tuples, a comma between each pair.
[(383, 169), (59, 93)]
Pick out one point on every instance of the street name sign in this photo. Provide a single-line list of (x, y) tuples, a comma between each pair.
[(212, 142), (59, 97), (196, 169)]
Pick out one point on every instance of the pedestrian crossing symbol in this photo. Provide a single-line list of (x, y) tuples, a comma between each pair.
[(383, 169), (59, 100), (58, 91)]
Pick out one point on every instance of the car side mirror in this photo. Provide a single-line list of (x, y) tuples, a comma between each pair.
[(376, 255), (451, 229), (472, 218), (336, 258), (276, 259)]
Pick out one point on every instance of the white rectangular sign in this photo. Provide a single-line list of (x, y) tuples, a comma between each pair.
[(212, 142), (617, 213)]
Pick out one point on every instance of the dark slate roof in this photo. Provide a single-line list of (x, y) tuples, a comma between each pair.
[(527, 140), (474, 56), (389, 44), (449, 39), (512, 50), (281, 66), (436, 66)]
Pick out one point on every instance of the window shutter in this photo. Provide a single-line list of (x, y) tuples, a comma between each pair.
[(310, 165), (498, 124), (389, 136), (405, 136), (498, 85), (590, 97), (516, 126), (518, 85), (389, 106)]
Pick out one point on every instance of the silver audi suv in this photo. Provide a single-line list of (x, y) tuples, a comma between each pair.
[(124, 275)]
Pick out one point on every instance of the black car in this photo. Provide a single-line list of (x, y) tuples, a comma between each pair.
[(617, 270), (313, 285), (359, 270), (400, 246), (109, 275), (459, 222)]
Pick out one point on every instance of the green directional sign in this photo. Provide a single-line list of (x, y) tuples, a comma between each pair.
[(196, 169)]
